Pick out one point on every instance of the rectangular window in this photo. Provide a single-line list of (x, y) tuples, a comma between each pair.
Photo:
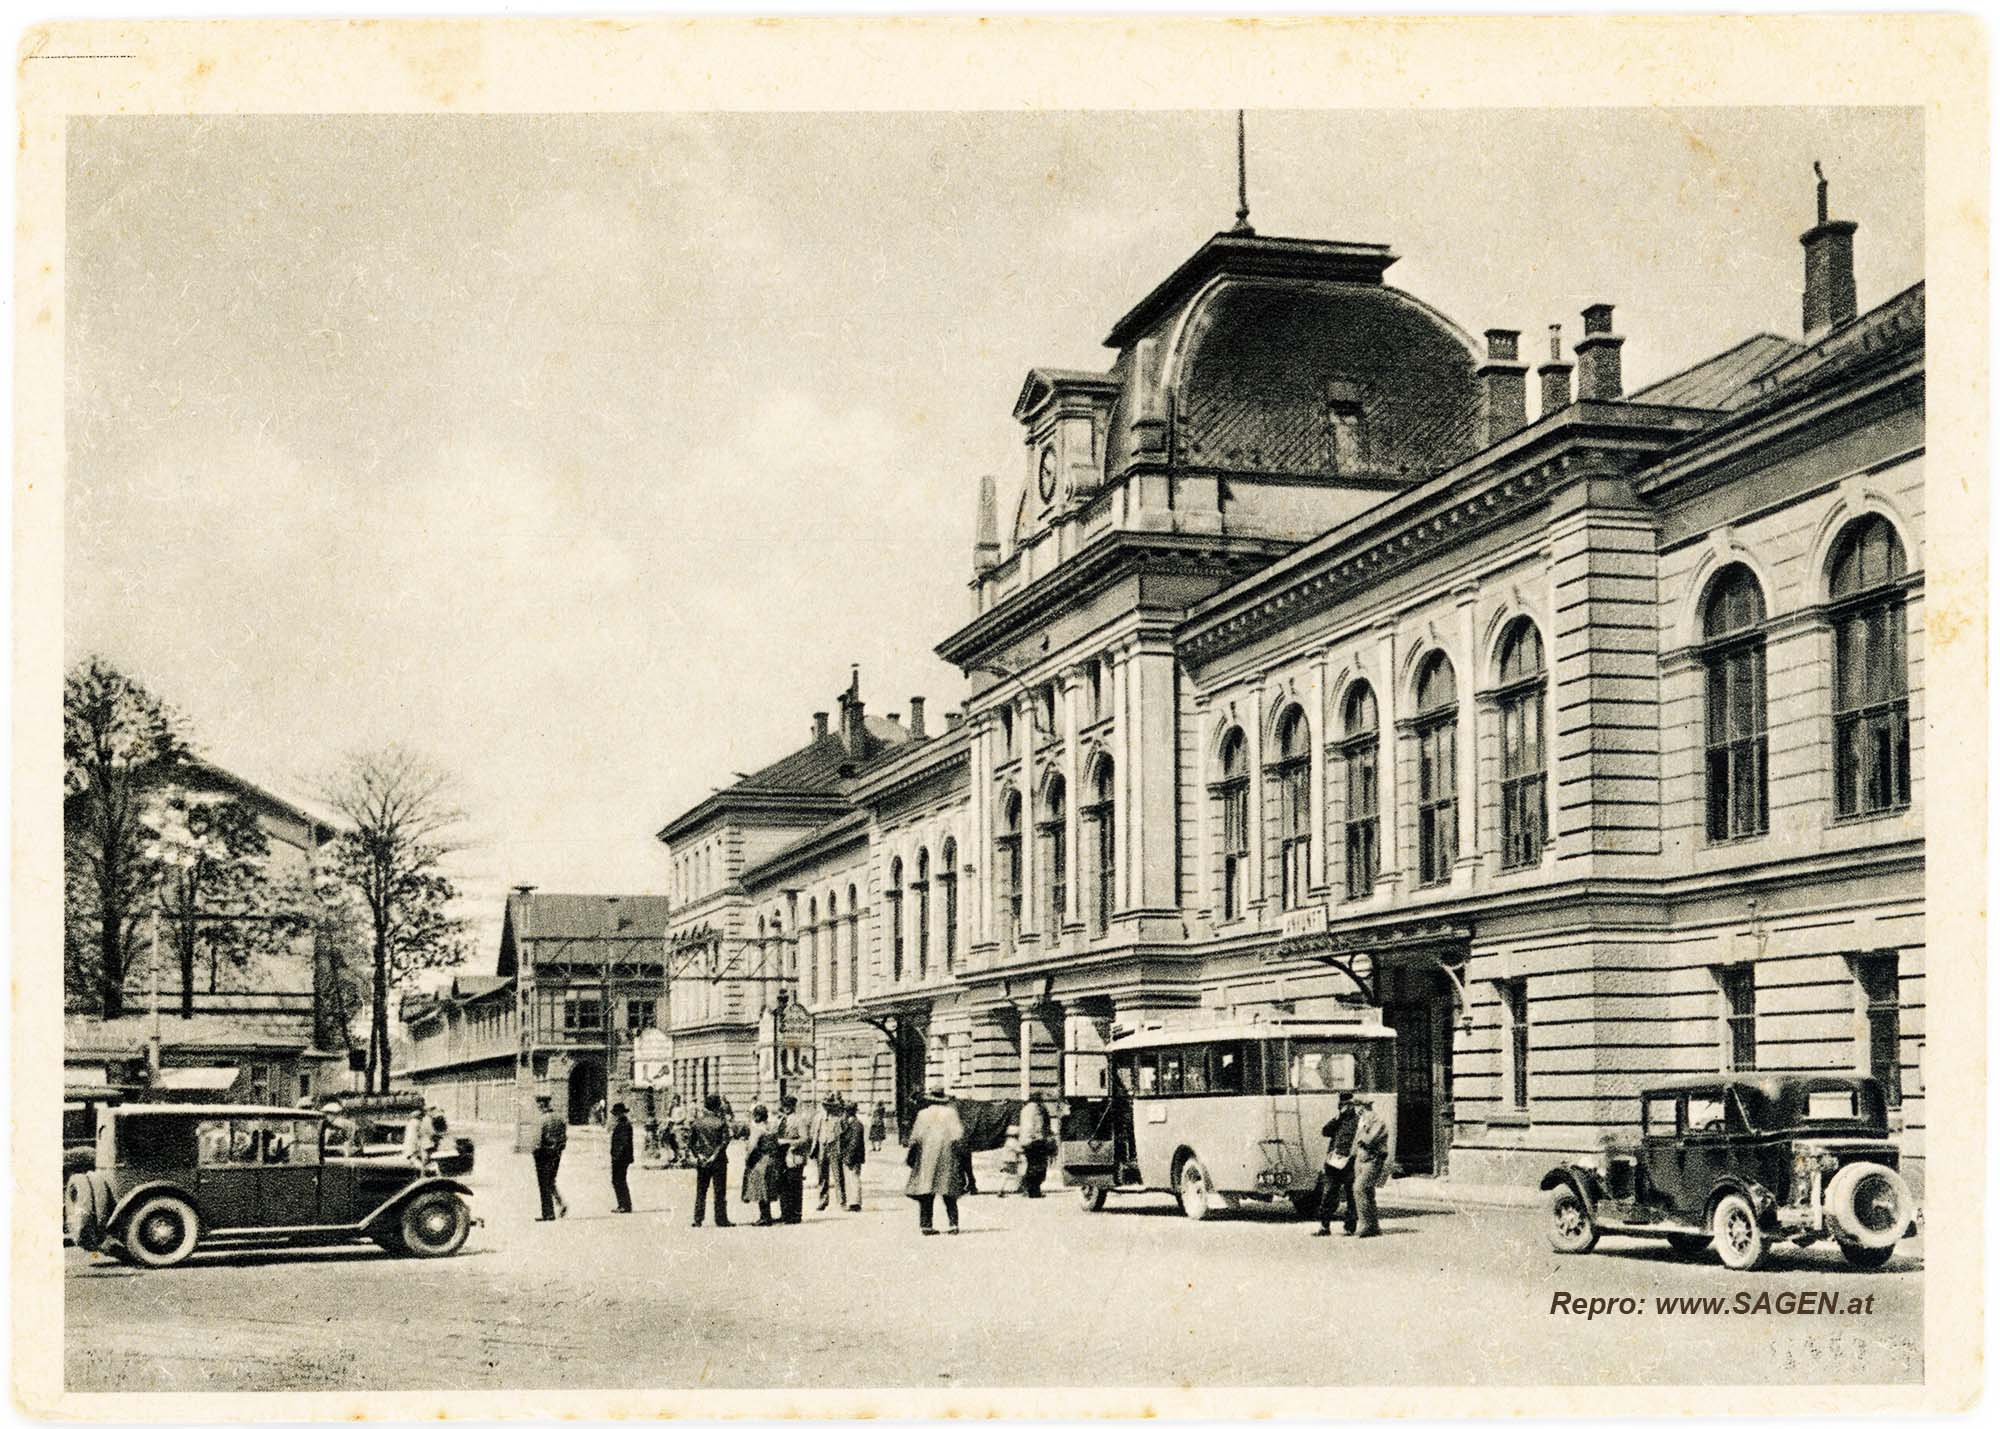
[(582, 1012), (1294, 831), (1881, 993), (1739, 1015), (950, 883), (1737, 748), (1235, 850), (1871, 722), (640, 1013), (1514, 1008), (1055, 851), (1662, 1116), (923, 893), (895, 907), (1363, 855), (1010, 876), (1523, 780), (1107, 851), (1437, 802)]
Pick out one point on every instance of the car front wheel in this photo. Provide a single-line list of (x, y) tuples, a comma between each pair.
[(1739, 1240), (1572, 1229), (161, 1231), (1198, 1199), (1093, 1197), (435, 1223)]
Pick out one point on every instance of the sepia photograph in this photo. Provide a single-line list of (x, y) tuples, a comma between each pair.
[(1339, 694)]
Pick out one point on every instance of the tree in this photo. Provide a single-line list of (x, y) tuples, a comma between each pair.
[(392, 860), (120, 746), (215, 887)]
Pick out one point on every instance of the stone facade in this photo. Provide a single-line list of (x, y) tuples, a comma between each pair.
[(1588, 749)]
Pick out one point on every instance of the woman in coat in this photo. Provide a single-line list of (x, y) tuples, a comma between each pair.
[(764, 1166), (937, 1161)]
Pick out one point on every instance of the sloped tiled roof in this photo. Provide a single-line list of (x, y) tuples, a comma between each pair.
[(127, 1036), (816, 768), (1717, 381), (589, 915)]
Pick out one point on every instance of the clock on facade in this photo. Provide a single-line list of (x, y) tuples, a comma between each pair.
[(1046, 480)]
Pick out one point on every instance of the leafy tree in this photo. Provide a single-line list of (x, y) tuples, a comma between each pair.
[(120, 746), (391, 860)]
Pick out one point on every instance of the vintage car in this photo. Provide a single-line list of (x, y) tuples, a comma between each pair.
[(1745, 1161), (170, 1179), (379, 1125)]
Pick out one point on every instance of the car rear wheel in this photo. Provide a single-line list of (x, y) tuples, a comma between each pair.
[(1690, 1247), (1866, 1257), (1739, 1240), (1198, 1198), (161, 1231), (435, 1223), (1869, 1205), (1572, 1229), (1093, 1197)]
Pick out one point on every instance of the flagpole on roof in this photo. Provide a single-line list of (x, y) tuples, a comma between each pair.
[(1242, 181)]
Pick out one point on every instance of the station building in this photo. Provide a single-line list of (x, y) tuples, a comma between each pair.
[(1309, 671)]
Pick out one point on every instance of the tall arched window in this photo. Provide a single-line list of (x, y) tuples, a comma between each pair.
[(853, 941), (1523, 746), (1359, 746), (1104, 844), (948, 892), (1732, 628), (1232, 795), (1871, 671), (1437, 770), (921, 891), (1008, 863), (1055, 849), (809, 935), (894, 912), (1291, 778)]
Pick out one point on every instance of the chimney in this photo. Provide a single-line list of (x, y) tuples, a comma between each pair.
[(986, 535), (916, 716), (1829, 296), (1599, 374), (953, 719), (819, 724), (1503, 387), (853, 733), (1554, 374)]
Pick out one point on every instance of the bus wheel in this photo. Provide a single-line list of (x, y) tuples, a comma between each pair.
[(1198, 1198), (1093, 1197), (1305, 1204)]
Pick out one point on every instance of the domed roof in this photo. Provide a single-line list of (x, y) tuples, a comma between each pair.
[(1310, 377)]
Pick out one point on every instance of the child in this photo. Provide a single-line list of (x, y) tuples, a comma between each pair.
[(878, 1127), (1011, 1162)]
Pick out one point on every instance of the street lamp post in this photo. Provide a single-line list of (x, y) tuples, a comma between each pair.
[(610, 1004)]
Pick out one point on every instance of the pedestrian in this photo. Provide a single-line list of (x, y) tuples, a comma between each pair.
[(673, 1136), (852, 1155), (1035, 1147), (761, 1170), (1012, 1162), (1371, 1166), (937, 1161), (793, 1136), (1336, 1173), (621, 1158), (878, 1127), (708, 1144), (825, 1146), (550, 1138)]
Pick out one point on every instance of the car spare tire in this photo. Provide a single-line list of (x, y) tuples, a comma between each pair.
[(1869, 1205), (85, 1226)]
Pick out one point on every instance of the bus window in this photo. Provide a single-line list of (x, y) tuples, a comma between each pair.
[(1225, 1068), (1123, 1068), (1170, 1074), (1194, 1076), (1323, 1067), (1149, 1075)]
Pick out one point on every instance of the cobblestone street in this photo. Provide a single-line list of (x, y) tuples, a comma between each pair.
[(1033, 1293)]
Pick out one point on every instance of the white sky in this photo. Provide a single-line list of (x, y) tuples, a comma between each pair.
[(585, 454)]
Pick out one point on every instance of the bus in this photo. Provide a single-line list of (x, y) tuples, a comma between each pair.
[(1223, 1112)]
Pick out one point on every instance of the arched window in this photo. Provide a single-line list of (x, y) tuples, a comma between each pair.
[(1008, 862), (948, 892), (853, 941), (1055, 850), (895, 916), (1360, 744), (1871, 671), (1523, 747), (1232, 794), (1291, 776), (1104, 844), (809, 935), (1732, 628), (1437, 770), (921, 891), (1006, 732)]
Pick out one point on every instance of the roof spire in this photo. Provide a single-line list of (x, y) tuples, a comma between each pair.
[(1242, 182), (1820, 174)]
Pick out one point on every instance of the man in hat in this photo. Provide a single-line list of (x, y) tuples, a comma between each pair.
[(825, 1146), (621, 1157), (708, 1144), (794, 1137), (1336, 1174), (550, 1138)]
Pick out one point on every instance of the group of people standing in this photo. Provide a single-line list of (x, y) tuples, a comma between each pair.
[(1357, 1162), (831, 1141)]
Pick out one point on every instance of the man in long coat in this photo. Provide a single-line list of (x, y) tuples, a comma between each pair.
[(550, 1138), (794, 1137), (850, 1153), (1336, 1176), (621, 1158), (1035, 1147), (937, 1161), (708, 1143), (1371, 1166)]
